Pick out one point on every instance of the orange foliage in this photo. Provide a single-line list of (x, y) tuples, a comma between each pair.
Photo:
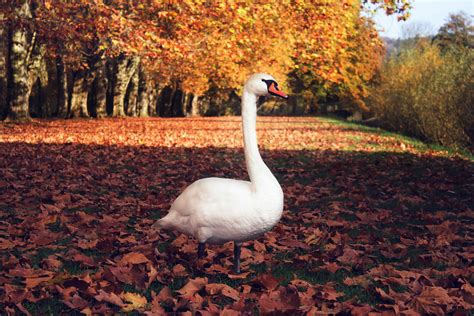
[(197, 44), (78, 197)]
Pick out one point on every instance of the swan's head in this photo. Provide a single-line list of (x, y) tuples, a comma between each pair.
[(262, 84)]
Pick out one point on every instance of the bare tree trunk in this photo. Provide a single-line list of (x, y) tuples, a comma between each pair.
[(4, 67), (146, 95), (177, 102), (154, 98), (131, 95), (195, 106), (78, 103), (62, 88), (125, 68), (187, 104), (165, 102), (19, 92), (49, 91), (101, 83)]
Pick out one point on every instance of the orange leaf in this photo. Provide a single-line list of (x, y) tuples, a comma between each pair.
[(133, 258)]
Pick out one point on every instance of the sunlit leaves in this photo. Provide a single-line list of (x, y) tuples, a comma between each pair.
[(197, 44), (372, 222)]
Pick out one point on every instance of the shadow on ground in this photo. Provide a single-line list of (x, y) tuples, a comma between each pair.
[(71, 213)]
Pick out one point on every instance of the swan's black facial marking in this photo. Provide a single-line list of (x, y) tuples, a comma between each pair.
[(269, 82), (272, 88)]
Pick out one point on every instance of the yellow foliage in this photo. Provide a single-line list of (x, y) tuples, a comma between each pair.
[(134, 301)]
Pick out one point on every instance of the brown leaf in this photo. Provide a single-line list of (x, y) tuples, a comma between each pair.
[(192, 287), (85, 260), (179, 270), (384, 296), (258, 246), (268, 281), (34, 281), (216, 288), (165, 295), (133, 258), (432, 300), (349, 256), (6, 244), (111, 298), (331, 267)]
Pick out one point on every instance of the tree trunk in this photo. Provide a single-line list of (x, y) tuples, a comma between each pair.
[(101, 83), (50, 89), (165, 102), (131, 95), (146, 96), (78, 103), (195, 106), (124, 69), (4, 37), (177, 102), (154, 98), (19, 92), (62, 88), (187, 104)]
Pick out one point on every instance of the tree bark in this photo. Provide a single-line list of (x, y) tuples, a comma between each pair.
[(146, 95), (19, 92), (101, 83), (4, 67), (177, 104), (131, 96), (78, 103), (195, 106), (155, 98), (49, 90), (187, 104), (124, 69), (63, 95), (165, 101)]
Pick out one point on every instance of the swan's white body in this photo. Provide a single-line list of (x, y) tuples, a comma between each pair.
[(217, 210)]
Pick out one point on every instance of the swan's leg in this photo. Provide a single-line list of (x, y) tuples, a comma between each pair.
[(237, 246), (201, 250)]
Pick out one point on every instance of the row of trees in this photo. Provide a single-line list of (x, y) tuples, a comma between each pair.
[(169, 58), (426, 86)]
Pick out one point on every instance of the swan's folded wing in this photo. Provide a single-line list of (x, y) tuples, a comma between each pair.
[(214, 195)]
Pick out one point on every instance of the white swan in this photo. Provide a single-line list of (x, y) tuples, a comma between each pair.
[(217, 210)]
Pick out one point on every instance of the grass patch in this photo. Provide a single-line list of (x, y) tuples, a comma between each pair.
[(417, 144), (50, 306), (41, 254), (75, 268), (178, 283), (55, 227), (286, 272)]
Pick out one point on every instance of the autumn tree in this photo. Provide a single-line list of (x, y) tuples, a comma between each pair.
[(457, 32), (126, 57)]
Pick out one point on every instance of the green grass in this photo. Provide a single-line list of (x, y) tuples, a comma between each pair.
[(75, 268), (41, 254), (415, 143), (177, 283), (50, 306)]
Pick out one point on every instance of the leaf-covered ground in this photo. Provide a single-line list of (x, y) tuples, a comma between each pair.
[(372, 221)]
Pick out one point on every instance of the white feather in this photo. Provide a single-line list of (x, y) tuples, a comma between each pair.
[(217, 210)]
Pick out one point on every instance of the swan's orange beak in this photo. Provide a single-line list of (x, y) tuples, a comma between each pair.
[(274, 90)]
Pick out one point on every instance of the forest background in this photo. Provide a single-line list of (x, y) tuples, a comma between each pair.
[(71, 59)]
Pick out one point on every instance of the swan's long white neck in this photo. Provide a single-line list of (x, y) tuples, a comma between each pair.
[(260, 176)]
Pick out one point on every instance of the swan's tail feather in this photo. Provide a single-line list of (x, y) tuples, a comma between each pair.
[(156, 225), (162, 223)]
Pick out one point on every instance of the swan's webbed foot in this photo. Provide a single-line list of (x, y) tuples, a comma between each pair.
[(201, 250), (237, 246)]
